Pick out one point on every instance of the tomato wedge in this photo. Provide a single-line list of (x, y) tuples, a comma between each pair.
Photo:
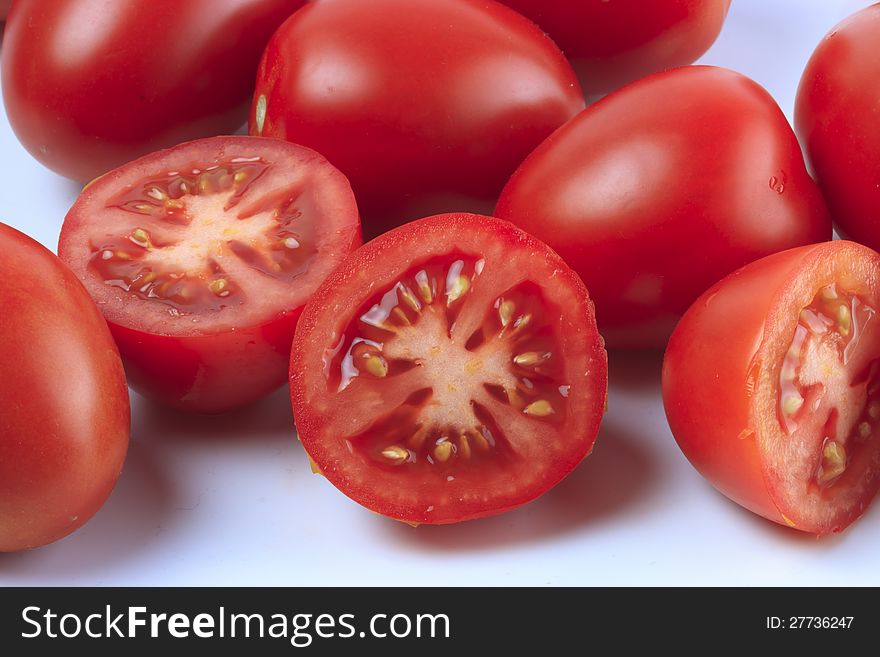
[(771, 384), (448, 370), (201, 258)]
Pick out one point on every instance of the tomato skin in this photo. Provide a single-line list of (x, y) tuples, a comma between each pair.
[(836, 119), (84, 94), (613, 43), (425, 109), (5, 5), (64, 411), (373, 266), (662, 188), (710, 370)]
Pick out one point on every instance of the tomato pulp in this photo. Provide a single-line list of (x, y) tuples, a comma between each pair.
[(613, 43), (836, 118), (64, 413), (662, 188), (426, 107), (771, 384), (448, 370), (89, 84), (201, 258)]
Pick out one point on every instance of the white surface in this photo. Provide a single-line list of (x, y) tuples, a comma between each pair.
[(231, 500)]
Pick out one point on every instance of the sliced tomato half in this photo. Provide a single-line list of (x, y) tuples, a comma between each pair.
[(772, 385), (448, 370), (202, 257)]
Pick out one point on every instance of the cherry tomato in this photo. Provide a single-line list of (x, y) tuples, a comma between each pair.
[(662, 188), (448, 370), (837, 121), (202, 257), (771, 384), (613, 43), (91, 84), (426, 106), (64, 414)]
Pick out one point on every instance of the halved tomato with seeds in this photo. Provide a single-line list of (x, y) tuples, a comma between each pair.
[(771, 384), (448, 370), (202, 257)]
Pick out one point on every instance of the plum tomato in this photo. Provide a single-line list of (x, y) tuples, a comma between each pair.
[(426, 106), (64, 413), (662, 188), (448, 370), (90, 84), (613, 43), (201, 257), (836, 118), (771, 384)]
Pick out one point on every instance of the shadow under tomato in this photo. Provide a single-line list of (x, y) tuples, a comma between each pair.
[(613, 480), (130, 521), (266, 417)]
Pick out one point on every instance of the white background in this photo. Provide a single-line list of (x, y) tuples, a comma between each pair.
[(231, 501)]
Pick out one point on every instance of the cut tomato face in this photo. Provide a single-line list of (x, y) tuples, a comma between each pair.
[(201, 258), (780, 409), (448, 370)]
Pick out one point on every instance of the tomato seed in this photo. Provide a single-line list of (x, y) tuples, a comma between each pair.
[(396, 454), (540, 408)]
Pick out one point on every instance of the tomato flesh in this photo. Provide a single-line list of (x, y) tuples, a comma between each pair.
[(450, 428), (454, 385), (778, 409), (202, 257)]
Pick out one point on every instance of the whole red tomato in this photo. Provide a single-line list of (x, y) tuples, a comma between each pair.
[(613, 43), (837, 120), (64, 414), (662, 188), (91, 84), (771, 384), (425, 106)]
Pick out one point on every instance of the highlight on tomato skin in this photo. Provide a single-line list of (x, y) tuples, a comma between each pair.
[(91, 84), (662, 188), (201, 258), (426, 106), (64, 409), (448, 370), (771, 384)]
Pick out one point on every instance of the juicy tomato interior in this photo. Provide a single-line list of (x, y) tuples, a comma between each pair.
[(828, 403), (218, 234), (448, 370), (196, 239), (455, 398)]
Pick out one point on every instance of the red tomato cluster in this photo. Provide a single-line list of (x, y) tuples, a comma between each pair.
[(452, 367)]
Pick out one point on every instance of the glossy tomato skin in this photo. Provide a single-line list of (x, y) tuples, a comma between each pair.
[(426, 107), (367, 271), (662, 188), (713, 365), (90, 84), (216, 369), (836, 119), (613, 43), (64, 412)]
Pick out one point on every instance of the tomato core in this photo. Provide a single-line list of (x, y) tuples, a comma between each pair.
[(828, 384), (402, 338), (193, 238)]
